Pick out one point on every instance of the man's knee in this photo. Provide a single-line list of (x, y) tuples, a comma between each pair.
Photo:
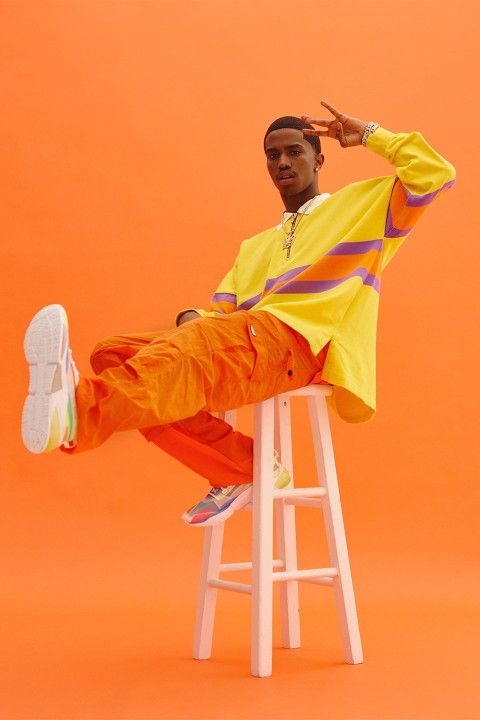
[(105, 355)]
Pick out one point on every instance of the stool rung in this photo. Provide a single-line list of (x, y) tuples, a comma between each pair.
[(229, 585), (305, 574), (319, 581), (307, 492), (296, 496), (321, 576), (230, 567), (306, 502)]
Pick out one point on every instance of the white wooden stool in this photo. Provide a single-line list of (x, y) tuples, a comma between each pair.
[(272, 423)]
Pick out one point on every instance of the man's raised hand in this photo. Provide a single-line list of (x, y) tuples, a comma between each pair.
[(347, 130)]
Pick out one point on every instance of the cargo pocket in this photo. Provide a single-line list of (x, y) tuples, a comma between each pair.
[(288, 372)]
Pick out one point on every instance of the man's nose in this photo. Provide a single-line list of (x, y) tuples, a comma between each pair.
[(284, 161)]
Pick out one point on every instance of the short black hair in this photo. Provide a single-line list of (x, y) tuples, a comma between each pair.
[(290, 121)]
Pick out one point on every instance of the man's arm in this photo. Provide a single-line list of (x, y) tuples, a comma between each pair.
[(223, 301), (421, 175), (421, 172)]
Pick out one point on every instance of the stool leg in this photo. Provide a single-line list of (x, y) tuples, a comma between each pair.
[(262, 539), (207, 596), (333, 518), (285, 529)]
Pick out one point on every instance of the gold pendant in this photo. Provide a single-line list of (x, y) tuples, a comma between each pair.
[(287, 243)]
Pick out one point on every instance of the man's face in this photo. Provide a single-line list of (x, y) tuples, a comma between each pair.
[(290, 160)]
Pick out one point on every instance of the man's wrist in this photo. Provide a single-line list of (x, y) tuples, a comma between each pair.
[(370, 128)]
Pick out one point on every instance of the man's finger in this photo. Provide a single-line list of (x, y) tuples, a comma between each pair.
[(330, 107), (308, 131), (314, 121), (341, 133)]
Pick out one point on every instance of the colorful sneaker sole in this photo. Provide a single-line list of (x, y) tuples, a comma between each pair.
[(47, 353)]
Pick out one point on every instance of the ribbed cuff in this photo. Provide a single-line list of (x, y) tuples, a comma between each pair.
[(378, 141)]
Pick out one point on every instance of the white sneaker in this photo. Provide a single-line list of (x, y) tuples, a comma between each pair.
[(49, 416)]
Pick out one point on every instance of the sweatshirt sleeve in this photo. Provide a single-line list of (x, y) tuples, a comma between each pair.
[(421, 175), (224, 299), (422, 171)]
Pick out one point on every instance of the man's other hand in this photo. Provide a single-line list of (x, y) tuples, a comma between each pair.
[(186, 316)]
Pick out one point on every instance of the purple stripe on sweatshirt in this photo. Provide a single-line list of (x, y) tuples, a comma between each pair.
[(391, 231), (373, 281), (224, 297), (345, 248), (315, 286), (247, 304), (355, 248), (285, 276), (419, 200)]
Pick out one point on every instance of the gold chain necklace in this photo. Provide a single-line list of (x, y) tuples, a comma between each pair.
[(290, 237)]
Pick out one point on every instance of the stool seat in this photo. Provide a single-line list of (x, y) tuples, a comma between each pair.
[(272, 428), (309, 391)]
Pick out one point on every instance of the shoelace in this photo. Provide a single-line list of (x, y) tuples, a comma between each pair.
[(276, 461), (216, 491), (219, 493)]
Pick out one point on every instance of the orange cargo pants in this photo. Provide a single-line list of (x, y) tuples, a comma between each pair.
[(167, 383)]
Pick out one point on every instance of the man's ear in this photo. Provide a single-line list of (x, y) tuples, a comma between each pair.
[(320, 159)]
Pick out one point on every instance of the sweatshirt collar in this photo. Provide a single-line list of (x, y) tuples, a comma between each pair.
[(318, 199)]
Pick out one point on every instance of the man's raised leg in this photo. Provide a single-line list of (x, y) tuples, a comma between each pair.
[(206, 444), (210, 364)]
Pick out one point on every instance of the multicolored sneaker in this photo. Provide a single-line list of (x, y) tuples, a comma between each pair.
[(221, 502), (49, 417)]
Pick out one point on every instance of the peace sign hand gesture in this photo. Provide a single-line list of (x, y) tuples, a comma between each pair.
[(347, 130)]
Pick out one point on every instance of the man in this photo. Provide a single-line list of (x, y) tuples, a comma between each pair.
[(298, 306)]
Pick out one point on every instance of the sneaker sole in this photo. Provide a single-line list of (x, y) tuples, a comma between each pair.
[(220, 517), (45, 347)]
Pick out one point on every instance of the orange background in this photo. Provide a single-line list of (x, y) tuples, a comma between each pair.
[(132, 167)]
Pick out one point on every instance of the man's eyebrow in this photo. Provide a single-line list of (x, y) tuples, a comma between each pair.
[(287, 146)]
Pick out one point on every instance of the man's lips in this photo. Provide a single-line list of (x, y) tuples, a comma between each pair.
[(285, 179)]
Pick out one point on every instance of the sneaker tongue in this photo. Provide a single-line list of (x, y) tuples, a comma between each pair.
[(218, 494)]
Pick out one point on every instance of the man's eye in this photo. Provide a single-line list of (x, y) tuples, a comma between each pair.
[(275, 156)]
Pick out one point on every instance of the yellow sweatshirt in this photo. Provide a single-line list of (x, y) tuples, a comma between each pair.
[(329, 288)]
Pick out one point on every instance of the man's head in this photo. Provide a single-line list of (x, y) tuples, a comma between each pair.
[(291, 153)]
